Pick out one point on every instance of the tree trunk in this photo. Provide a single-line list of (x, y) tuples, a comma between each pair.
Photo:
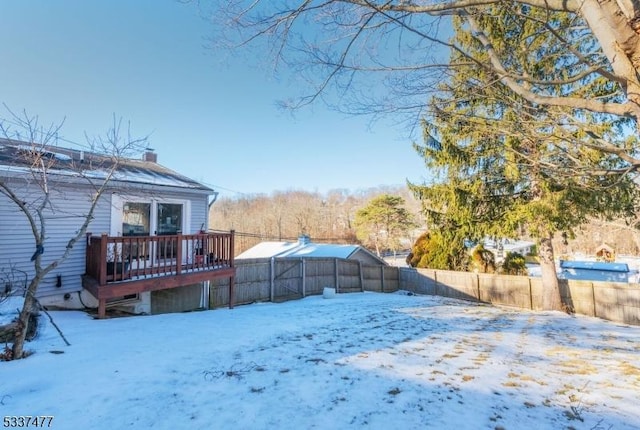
[(551, 299), (25, 318), (618, 41), (377, 247)]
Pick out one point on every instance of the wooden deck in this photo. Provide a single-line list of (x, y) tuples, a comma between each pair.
[(120, 266)]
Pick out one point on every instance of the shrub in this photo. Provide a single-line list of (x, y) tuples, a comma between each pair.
[(435, 251), (483, 260), (514, 264)]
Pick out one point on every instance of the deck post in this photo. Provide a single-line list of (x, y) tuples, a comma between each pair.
[(103, 260), (102, 308), (232, 248), (179, 254)]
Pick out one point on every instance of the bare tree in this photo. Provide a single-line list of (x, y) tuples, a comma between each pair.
[(285, 213), (32, 188), (622, 234), (387, 57)]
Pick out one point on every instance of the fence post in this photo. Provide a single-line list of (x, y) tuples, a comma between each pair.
[(478, 286), (206, 291), (593, 297), (272, 278), (232, 248), (303, 274), (361, 276), (232, 298), (337, 275), (382, 278), (530, 294), (435, 280)]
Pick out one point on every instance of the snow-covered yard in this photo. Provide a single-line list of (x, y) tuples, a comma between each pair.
[(365, 360)]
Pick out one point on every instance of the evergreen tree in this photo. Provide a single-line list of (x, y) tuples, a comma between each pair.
[(514, 264), (505, 165), (383, 222), (438, 249)]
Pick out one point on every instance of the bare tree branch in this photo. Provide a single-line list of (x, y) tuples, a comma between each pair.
[(42, 164)]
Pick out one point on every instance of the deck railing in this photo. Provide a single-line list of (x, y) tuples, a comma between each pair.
[(121, 258)]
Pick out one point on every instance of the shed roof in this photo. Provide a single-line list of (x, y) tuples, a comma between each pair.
[(301, 249), (296, 249), (604, 247), (17, 157), (595, 265)]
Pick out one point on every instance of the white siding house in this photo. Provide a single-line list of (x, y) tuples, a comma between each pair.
[(162, 198)]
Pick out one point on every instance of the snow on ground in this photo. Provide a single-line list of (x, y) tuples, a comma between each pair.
[(362, 360)]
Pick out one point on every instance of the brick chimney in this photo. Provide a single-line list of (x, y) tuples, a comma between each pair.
[(150, 156)]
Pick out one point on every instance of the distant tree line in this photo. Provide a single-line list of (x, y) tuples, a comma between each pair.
[(331, 217), (324, 217)]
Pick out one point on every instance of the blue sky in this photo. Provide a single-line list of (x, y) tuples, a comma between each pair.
[(211, 116)]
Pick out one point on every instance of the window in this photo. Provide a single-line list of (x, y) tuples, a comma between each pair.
[(136, 219), (151, 218), (169, 219), (142, 217)]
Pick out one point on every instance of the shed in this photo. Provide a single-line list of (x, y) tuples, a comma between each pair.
[(594, 271), (304, 248)]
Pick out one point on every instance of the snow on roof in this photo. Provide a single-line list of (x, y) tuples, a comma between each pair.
[(508, 245), (58, 155), (16, 157), (296, 249)]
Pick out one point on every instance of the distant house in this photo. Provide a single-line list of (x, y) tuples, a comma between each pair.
[(501, 247), (605, 253), (594, 271), (147, 235), (304, 248)]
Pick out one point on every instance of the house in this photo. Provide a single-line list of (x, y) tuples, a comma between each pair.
[(605, 253), (146, 246), (304, 248), (502, 247), (594, 271)]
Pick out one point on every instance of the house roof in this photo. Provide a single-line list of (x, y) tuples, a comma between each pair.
[(595, 265), (300, 249), (296, 249), (17, 157), (604, 247), (508, 245)]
